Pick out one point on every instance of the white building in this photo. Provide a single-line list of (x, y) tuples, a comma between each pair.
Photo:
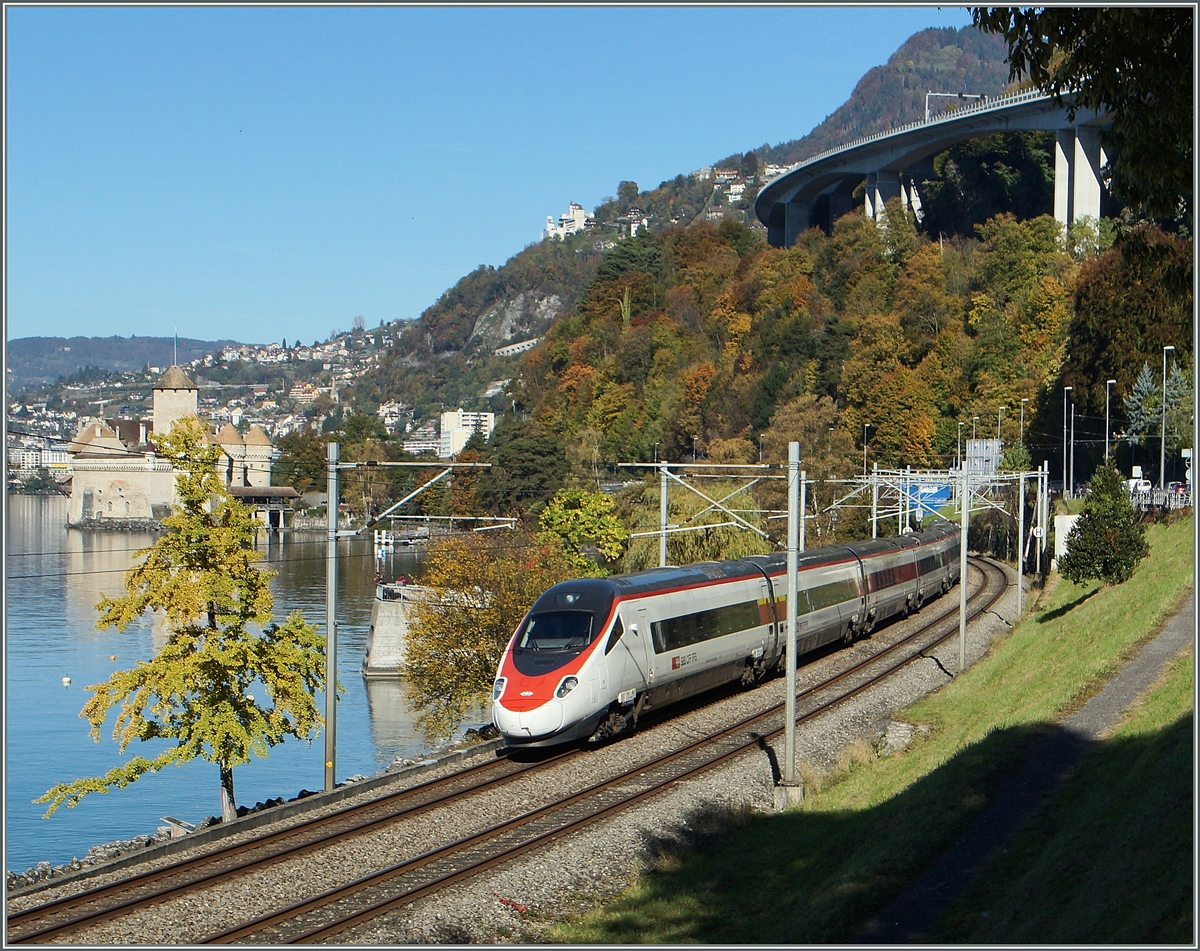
[(394, 415), (576, 219), (458, 426), (423, 439)]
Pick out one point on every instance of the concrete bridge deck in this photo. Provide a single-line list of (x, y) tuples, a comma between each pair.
[(820, 189)]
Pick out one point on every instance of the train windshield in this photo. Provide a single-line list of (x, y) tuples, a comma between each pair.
[(557, 631)]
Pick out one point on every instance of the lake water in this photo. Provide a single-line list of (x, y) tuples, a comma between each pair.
[(55, 578)]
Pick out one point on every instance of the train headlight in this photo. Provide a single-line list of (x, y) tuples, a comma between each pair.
[(498, 688), (564, 688)]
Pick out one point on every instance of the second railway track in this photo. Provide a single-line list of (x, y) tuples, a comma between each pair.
[(331, 911)]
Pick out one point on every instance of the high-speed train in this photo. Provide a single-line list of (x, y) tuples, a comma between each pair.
[(592, 655)]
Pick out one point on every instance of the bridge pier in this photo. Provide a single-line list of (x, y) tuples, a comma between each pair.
[(1078, 159), (797, 221), (881, 187)]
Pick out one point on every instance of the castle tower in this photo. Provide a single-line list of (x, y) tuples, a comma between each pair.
[(175, 396), (258, 457)]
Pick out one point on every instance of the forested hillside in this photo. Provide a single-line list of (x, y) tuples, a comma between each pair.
[(723, 337), (871, 346)]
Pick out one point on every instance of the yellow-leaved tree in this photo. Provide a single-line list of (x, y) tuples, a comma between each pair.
[(196, 692), (482, 584)]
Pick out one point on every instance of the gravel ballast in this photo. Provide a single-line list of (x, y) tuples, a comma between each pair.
[(516, 901)]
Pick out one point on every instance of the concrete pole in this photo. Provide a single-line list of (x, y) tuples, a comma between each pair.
[(1072, 449), (793, 559), (331, 620), (962, 573), (1020, 546), (662, 515), (803, 504), (1066, 390), (1162, 443), (875, 507)]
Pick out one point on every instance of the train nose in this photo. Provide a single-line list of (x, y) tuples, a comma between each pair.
[(544, 719), (540, 721)]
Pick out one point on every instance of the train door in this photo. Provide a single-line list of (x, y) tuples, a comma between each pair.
[(640, 652), (613, 657), (770, 641), (628, 669)]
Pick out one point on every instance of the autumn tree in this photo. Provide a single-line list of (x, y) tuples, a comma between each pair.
[(482, 585), (1130, 302), (302, 462), (827, 452), (197, 692)]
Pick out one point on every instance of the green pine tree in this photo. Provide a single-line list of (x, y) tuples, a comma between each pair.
[(1143, 406), (1107, 542), (196, 693)]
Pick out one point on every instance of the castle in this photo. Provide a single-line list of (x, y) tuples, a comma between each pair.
[(120, 481)]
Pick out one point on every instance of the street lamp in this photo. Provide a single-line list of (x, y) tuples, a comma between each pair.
[(960, 426), (865, 425), (694, 438), (761, 437), (1023, 402), (974, 421), (656, 454), (999, 416), (1066, 390), (1072, 449), (1107, 426), (1162, 451)]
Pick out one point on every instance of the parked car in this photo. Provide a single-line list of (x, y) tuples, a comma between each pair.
[(1177, 487), (1139, 485)]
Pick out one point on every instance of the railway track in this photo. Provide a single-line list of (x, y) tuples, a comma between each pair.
[(345, 907)]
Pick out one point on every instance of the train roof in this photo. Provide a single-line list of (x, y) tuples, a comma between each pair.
[(687, 576)]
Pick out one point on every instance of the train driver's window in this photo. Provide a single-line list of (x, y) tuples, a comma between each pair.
[(618, 630)]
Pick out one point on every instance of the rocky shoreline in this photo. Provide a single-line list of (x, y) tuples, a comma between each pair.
[(99, 854)]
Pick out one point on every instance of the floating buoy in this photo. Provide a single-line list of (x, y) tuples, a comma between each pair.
[(112, 656), (66, 681)]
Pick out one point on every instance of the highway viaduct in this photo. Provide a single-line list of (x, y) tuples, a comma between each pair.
[(820, 189)]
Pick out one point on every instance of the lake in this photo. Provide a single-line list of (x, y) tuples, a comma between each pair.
[(55, 578)]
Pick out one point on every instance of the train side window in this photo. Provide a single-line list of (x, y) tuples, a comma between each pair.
[(659, 636), (618, 632)]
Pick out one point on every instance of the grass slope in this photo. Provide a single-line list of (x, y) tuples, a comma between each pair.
[(1110, 860), (817, 873)]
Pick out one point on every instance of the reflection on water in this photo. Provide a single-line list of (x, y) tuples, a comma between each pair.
[(394, 722), (55, 578)]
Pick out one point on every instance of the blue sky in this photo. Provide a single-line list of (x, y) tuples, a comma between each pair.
[(256, 173)]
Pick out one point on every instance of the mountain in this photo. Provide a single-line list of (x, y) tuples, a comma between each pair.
[(447, 357), (33, 361), (943, 60)]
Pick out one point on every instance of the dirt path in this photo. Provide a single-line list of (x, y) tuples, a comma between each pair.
[(911, 916)]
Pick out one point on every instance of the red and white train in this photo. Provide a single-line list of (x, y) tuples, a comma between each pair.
[(592, 655)]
